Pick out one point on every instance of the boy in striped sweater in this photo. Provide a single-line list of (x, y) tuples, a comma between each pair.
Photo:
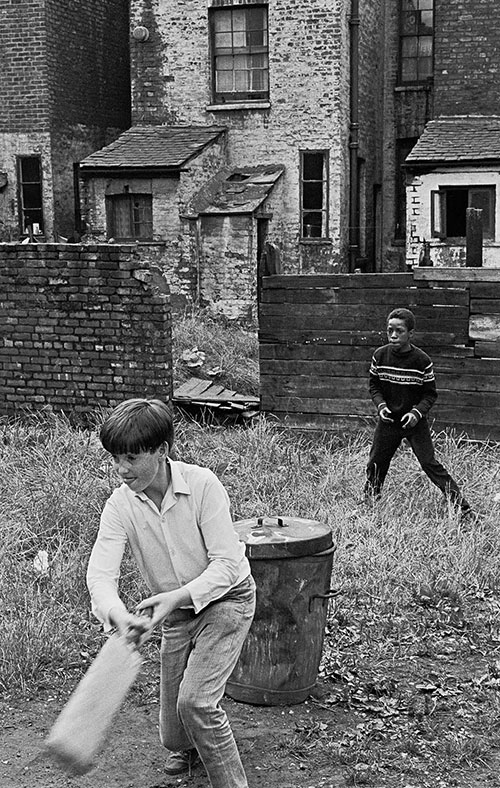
[(403, 389)]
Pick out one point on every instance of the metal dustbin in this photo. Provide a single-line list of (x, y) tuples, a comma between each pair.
[(291, 560)]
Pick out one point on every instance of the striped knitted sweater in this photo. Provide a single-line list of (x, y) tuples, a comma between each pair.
[(404, 381)]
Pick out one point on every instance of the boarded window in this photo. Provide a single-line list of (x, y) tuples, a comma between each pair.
[(30, 194), (416, 40), (449, 210), (239, 43), (314, 194), (130, 216)]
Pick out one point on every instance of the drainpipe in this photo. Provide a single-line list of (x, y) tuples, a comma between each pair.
[(354, 137)]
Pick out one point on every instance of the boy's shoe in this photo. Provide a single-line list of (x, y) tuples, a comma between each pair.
[(179, 762)]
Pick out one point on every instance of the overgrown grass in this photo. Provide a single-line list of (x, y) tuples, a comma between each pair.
[(231, 352), (54, 479)]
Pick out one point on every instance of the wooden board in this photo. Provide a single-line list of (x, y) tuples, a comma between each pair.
[(487, 350), (461, 275), (282, 334), (485, 328), (337, 280), (81, 728), (328, 369), (291, 404), (316, 352)]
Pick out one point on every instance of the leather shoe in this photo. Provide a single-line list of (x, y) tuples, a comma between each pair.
[(179, 762)]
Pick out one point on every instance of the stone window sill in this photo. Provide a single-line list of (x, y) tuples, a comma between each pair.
[(239, 105)]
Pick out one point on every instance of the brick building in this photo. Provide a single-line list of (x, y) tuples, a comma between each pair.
[(245, 139), (441, 130), (64, 92)]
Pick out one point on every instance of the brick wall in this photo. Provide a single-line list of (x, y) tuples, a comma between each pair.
[(82, 327), (308, 108), (24, 95), (467, 57)]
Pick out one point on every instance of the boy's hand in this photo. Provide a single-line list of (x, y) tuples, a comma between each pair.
[(408, 420), (385, 414), (135, 629), (165, 603)]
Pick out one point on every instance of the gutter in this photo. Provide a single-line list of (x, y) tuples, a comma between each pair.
[(354, 137)]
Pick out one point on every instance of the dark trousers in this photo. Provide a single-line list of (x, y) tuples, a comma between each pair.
[(386, 441)]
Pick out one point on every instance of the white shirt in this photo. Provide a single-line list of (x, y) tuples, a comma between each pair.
[(189, 542)]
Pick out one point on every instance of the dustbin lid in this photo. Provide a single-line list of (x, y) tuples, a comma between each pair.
[(283, 537)]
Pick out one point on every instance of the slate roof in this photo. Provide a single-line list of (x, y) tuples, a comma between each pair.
[(152, 147), (236, 190), (457, 139)]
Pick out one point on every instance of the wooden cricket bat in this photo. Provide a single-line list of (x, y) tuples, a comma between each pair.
[(81, 728)]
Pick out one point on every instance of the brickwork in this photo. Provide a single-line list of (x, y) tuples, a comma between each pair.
[(24, 87), (308, 46), (467, 57), (83, 327), (64, 93)]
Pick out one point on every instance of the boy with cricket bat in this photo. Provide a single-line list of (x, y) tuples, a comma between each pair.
[(176, 519)]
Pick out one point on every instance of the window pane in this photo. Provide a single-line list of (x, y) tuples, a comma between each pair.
[(312, 225), (312, 196), (425, 46), (409, 70), (409, 46), (222, 21), (224, 82), (223, 41), (410, 22), (32, 195), (312, 164), (485, 200), (30, 169), (425, 68), (256, 19)]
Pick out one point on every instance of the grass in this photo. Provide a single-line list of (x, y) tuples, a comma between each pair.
[(231, 352), (418, 586)]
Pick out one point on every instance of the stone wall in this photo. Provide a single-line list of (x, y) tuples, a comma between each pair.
[(82, 327)]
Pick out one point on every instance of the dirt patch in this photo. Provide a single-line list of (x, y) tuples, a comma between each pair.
[(392, 739)]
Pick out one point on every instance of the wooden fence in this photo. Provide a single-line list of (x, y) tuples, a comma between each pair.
[(317, 335)]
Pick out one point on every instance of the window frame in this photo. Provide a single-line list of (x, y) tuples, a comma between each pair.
[(418, 36), (439, 198), (112, 201), (21, 184), (325, 229), (238, 96)]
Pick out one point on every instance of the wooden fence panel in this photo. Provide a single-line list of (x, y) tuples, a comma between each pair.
[(317, 335)]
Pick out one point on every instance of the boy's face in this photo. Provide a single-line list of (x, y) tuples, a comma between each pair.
[(139, 471), (398, 334)]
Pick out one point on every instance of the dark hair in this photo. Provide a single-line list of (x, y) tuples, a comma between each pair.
[(403, 314), (137, 425)]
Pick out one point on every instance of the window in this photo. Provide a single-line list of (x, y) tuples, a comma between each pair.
[(403, 148), (239, 53), (416, 41), (449, 206), (314, 194), (130, 216), (30, 194)]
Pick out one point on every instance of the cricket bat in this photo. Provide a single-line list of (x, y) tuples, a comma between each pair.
[(82, 726)]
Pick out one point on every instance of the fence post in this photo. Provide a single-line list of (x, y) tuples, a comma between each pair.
[(474, 237)]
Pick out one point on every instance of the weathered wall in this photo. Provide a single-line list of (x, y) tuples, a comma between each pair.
[(467, 60), (317, 335), (64, 92), (82, 327), (419, 216), (308, 47)]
